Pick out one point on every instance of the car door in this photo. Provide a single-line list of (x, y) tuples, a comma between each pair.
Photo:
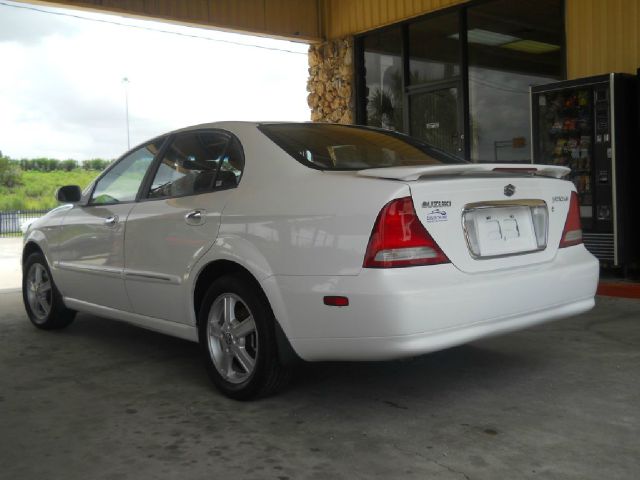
[(177, 220), (89, 256)]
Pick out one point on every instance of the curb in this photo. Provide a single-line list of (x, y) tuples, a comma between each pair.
[(10, 290), (619, 289)]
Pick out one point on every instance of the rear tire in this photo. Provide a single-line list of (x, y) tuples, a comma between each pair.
[(41, 297), (238, 340)]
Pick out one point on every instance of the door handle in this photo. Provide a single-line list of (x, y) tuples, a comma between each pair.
[(195, 217), (112, 220)]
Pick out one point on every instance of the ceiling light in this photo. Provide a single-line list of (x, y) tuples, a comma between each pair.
[(532, 46), (486, 37)]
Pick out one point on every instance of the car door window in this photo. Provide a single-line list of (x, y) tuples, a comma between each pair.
[(231, 167), (122, 182), (190, 165)]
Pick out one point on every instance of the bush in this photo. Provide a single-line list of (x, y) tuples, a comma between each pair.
[(35, 190), (11, 202), (30, 184), (38, 188), (10, 174)]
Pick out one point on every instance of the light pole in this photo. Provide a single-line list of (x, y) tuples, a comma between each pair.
[(125, 82)]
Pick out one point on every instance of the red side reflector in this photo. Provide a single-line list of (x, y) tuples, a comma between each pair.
[(572, 233), (336, 301)]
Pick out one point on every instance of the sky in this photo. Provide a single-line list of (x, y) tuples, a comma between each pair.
[(62, 93)]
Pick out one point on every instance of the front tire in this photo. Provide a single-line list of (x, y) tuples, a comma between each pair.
[(42, 300), (237, 338)]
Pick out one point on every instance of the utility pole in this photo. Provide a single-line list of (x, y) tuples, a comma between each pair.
[(125, 82)]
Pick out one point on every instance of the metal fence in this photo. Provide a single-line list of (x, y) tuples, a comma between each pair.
[(11, 223)]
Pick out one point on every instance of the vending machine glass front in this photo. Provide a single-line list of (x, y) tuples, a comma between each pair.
[(566, 138)]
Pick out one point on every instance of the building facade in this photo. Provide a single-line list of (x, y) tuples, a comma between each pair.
[(457, 73)]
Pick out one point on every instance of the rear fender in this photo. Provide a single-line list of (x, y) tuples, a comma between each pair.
[(233, 249), (242, 252)]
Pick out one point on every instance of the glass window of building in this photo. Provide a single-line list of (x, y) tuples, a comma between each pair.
[(434, 49), (434, 99), (383, 79), (466, 93), (512, 46)]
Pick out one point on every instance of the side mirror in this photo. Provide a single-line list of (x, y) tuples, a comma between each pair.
[(69, 194)]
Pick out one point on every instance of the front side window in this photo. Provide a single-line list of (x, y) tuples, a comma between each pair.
[(190, 166), (122, 182), (340, 147)]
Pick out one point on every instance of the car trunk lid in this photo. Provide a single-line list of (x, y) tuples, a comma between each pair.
[(491, 216)]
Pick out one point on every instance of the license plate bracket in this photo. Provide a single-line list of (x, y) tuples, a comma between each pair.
[(495, 231)]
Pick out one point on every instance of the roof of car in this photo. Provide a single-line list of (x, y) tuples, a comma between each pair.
[(228, 123), (242, 123)]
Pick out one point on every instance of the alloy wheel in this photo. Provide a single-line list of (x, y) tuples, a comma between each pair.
[(232, 338), (39, 291)]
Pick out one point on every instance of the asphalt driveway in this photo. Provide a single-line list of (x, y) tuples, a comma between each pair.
[(104, 400)]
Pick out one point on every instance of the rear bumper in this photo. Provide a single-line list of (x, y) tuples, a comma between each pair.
[(385, 348), (395, 313)]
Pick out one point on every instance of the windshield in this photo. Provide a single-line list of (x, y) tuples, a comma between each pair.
[(343, 147)]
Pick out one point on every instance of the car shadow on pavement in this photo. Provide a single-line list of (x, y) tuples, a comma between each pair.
[(118, 345), (444, 370)]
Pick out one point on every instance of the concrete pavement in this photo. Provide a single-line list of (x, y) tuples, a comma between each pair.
[(10, 271), (104, 400)]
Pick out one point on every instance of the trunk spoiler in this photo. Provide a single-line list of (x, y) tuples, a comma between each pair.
[(415, 173)]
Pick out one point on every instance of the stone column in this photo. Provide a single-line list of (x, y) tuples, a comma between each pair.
[(331, 81)]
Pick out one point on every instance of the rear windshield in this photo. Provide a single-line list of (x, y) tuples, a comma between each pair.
[(344, 147)]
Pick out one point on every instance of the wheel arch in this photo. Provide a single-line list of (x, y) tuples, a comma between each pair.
[(218, 268), (36, 241), (29, 248), (209, 274)]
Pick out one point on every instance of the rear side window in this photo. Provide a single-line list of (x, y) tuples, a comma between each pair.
[(342, 147), (231, 167), (192, 165)]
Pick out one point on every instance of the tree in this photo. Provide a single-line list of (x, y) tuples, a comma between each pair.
[(69, 165), (95, 164), (384, 107)]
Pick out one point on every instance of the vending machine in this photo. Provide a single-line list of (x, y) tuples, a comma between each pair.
[(590, 125)]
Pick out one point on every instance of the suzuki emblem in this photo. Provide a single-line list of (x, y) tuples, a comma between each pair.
[(509, 190)]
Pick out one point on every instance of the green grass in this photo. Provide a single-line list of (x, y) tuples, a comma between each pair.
[(38, 188)]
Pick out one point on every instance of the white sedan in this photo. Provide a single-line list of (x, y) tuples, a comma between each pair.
[(269, 242)]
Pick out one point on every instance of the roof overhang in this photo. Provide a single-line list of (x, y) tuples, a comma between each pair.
[(295, 20)]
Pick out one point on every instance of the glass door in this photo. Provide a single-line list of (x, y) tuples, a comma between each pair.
[(434, 83), (435, 118)]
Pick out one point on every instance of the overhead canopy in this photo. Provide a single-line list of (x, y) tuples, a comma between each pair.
[(600, 36), (289, 19), (303, 20)]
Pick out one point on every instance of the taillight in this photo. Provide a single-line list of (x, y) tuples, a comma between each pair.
[(572, 233), (398, 239)]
